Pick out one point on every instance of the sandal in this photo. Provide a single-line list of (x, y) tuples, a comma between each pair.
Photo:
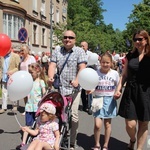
[(19, 146), (105, 148), (131, 145), (96, 148)]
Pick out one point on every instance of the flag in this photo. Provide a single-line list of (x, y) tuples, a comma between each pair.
[(98, 47), (127, 43)]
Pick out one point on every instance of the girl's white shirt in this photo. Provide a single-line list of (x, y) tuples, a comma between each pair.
[(107, 83)]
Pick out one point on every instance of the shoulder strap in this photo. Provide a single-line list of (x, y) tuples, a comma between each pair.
[(65, 63)]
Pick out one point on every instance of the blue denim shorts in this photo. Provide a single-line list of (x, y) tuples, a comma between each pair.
[(30, 118), (109, 109)]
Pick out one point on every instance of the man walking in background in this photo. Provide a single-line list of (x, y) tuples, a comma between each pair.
[(9, 65), (86, 99)]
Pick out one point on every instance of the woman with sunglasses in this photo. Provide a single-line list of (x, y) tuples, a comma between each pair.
[(135, 102)]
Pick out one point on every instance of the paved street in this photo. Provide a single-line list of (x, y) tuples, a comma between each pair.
[(10, 134)]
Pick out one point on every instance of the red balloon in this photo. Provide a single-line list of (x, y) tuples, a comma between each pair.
[(5, 44), (36, 57)]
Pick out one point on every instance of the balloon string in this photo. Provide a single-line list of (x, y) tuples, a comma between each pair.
[(17, 119)]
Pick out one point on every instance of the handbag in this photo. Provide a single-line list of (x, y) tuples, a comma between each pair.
[(57, 82), (97, 104)]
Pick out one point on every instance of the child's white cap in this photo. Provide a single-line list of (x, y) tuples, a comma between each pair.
[(49, 108)]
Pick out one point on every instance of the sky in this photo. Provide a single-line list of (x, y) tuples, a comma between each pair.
[(118, 12)]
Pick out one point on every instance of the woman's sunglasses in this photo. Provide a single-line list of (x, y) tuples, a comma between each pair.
[(138, 39)]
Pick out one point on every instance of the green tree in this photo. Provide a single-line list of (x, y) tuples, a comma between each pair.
[(84, 18), (139, 18), (58, 30)]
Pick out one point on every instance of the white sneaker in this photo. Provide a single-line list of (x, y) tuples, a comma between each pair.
[(23, 114), (14, 108), (2, 111)]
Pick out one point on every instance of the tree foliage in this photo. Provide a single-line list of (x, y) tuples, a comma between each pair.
[(139, 18), (58, 30), (85, 18)]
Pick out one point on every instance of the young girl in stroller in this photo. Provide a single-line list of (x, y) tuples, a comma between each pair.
[(47, 129), (63, 113)]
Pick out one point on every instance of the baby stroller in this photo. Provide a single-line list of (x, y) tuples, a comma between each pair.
[(63, 112)]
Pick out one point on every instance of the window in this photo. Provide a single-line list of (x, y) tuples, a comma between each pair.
[(57, 16), (43, 37), (64, 1), (12, 24), (34, 34), (63, 19), (43, 8), (52, 13), (64, 10), (16, 1), (34, 5)]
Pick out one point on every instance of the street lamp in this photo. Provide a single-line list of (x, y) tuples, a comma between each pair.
[(51, 27)]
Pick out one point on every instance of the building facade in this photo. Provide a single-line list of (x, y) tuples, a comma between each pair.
[(31, 22)]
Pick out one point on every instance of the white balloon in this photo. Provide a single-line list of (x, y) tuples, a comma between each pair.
[(19, 85), (92, 59), (39, 53), (57, 47), (33, 52), (116, 57), (88, 79)]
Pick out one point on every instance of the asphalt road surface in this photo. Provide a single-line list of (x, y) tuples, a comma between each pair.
[(10, 133)]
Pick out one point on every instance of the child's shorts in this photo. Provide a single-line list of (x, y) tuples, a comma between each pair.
[(30, 118), (109, 109)]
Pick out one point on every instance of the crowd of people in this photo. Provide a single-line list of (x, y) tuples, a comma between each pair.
[(114, 70)]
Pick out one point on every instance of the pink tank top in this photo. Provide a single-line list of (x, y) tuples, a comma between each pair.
[(24, 64)]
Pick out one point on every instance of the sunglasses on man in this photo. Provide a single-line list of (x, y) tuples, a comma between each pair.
[(69, 37)]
